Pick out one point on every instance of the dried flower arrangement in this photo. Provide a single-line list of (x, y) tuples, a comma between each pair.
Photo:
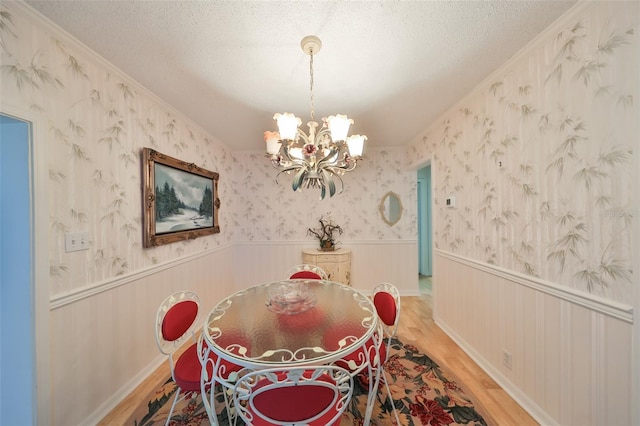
[(324, 234)]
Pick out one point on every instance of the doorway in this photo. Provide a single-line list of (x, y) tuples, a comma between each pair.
[(424, 230), (17, 360), (24, 268)]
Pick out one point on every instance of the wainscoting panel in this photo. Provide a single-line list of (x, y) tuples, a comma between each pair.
[(372, 262), (571, 359), (104, 344), (104, 334)]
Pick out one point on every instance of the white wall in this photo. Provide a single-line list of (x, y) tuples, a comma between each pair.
[(104, 339), (537, 258), (263, 262), (266, 211), (571, 354)]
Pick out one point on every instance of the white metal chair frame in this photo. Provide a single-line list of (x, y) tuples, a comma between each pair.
[(213, 371), (253, 384), (307, 267), (390, 331), (366, 363), (169, 347)]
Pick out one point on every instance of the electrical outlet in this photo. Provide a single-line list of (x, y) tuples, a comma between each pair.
[(506, 359), (76, 241)]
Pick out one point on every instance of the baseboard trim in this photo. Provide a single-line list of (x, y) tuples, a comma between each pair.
[(103, 410), (522, 399)]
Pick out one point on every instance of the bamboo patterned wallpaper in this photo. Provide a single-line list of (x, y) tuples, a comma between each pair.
[(98, 122), (539, 158), (270, 212)]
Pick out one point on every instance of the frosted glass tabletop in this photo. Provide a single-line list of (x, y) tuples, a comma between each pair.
[(290, 322)]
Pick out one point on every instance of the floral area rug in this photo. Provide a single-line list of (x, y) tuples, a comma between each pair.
[(421, 392)]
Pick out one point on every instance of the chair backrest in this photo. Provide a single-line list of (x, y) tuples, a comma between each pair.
[(314, 395), (177, 320), (386, 299), (307, 272)]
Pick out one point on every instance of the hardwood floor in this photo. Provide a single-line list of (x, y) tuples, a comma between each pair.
[(416, 327)]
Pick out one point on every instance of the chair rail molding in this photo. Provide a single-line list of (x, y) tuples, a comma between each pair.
[(63, 299), (598, 304), (270, 259)]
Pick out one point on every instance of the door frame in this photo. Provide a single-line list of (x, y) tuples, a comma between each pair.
[(39, 220), (425, 228)]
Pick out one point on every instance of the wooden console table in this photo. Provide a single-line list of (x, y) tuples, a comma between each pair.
[(337, 263)]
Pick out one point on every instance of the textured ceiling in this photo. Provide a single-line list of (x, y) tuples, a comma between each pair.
[(392, 66)]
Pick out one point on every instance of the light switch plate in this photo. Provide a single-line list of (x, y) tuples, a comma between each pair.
[(450, 201), (76, 241)]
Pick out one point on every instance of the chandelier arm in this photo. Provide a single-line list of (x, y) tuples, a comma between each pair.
[(335, 150), (327, 159), (291, 168), (303, 136), (287, 154), (344, 167), (278, 175), (288, 164), (324, 132), (287, 170), (275, 164)]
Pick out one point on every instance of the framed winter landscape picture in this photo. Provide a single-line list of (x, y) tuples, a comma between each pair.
[(180, 200)]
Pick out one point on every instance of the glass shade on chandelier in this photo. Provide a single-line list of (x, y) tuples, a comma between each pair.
[(317, 159)]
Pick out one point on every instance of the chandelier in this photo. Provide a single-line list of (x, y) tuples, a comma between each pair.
[(319, 159)]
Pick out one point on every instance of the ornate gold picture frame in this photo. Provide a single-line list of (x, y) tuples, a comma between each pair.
[(180, 200)]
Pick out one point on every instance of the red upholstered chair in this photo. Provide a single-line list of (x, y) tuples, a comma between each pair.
[(177, 323), (386, 299), (306, 272), (314, 396)]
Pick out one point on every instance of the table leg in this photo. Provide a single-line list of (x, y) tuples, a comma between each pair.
[(207, 383), (373, 393), (374, 374), (209, 397)]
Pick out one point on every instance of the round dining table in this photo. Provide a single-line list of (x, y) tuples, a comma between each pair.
[(289, 323)]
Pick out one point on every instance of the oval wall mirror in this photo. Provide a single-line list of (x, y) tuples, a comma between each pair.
[(391, 208)]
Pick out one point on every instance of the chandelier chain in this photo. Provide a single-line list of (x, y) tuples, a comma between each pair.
[(311, 85)]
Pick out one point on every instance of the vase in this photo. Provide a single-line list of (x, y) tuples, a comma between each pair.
[(328, 246)]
